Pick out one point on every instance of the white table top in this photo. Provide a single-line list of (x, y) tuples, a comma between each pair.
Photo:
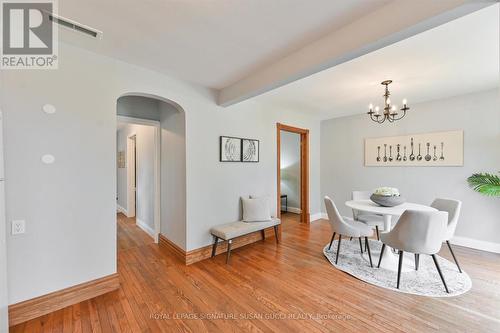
[(371, 207)]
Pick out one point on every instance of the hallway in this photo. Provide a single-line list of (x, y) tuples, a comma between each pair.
[(129, 234)]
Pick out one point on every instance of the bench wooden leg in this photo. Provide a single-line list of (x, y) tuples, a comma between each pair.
[(214, 247), (276, 233), (263, 233), (228, 250)]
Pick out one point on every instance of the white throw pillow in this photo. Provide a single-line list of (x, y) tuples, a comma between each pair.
[(269, 200), (256, 210)]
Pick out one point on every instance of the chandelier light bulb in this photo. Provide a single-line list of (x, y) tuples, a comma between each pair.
[(404, 101), (388, 101), (370, 106), (394, 108), (377, 109)]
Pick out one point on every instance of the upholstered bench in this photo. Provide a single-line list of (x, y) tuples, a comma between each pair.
[(229, 231)]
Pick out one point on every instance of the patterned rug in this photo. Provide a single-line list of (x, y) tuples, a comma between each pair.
[(425, 281)]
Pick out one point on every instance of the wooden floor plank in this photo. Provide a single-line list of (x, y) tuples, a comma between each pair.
[(269, 287)]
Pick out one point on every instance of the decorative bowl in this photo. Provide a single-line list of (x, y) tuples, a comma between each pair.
[(387, 201)]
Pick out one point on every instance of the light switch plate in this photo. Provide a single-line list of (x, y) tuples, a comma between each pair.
[(18, 227)]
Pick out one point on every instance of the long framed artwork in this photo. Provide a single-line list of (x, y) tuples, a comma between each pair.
[(425, 149), (230, 149)]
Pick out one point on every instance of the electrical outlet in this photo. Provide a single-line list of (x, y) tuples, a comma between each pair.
[(18, 227)]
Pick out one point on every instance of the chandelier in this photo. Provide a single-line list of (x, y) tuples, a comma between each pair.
[(390, 111)]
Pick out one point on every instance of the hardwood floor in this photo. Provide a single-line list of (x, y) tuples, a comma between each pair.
[(269, 287)]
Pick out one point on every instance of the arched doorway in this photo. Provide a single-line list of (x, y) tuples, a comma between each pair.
[(165, 200)]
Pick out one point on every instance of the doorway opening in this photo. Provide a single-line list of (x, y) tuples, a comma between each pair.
[(293, 172), (151, 171), (138, 173)]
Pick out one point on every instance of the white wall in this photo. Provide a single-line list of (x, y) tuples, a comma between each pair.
[(3, 242), (290, 169), (173, 174), (70, 206), (145, 172), (478, 115)]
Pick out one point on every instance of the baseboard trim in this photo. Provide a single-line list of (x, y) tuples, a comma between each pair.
[(39, 306), (294, 210), (202, 253), (146, 228), (476, 244), (165, 244), (122, 210), (318, 216)]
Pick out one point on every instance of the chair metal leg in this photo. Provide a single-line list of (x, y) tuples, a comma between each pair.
[(453, 255), (381, 255), (417, 261), (367, 246), (401, 255), (331, 241), (228, 250), (214, 247), (276, 234), (263, 233), (440, 273), (338, 249), (378, 233), (360, 245)]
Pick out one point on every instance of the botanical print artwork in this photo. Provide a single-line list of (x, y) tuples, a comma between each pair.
[(426, 149), (250, 150), (230, 149)]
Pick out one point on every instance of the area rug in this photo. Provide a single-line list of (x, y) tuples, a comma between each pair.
[(424, 282)]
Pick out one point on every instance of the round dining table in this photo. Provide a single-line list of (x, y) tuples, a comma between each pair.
[(389, 260)]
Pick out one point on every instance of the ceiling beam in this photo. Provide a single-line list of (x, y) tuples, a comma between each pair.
[(395, 21)]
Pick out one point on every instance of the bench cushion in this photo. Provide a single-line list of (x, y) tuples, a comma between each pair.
[(240, 228)]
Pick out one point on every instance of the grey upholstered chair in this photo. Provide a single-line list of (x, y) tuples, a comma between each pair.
[(342, 228), (453, 208), (372, 220), (419, 233)]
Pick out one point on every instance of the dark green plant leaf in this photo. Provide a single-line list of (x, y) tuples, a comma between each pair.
[(485, 183)]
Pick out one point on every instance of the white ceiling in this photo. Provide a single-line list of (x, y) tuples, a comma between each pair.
[(459, 57), (213, 42)]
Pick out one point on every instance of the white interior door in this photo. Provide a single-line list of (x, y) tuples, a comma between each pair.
[(3, 243)]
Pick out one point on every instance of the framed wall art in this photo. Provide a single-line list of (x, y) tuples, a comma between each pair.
[(250, 150), (121, 159), (426, 149), (230, 149)]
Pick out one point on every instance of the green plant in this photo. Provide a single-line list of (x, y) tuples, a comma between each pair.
[(485, 183)]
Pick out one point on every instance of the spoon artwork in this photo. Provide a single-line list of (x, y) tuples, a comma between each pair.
[(412, 156), (385, 152), (378, 154), (398, 156), (428, 157), (435, 158), (419, 156), (390, 154), (442, 149), (404, 155)]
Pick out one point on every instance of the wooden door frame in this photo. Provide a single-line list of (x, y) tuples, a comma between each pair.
[(304, 170)]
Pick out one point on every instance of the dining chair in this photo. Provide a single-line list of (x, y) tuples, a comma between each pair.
[(453, 207), (370, 219), (417, 232), (344, 226)]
